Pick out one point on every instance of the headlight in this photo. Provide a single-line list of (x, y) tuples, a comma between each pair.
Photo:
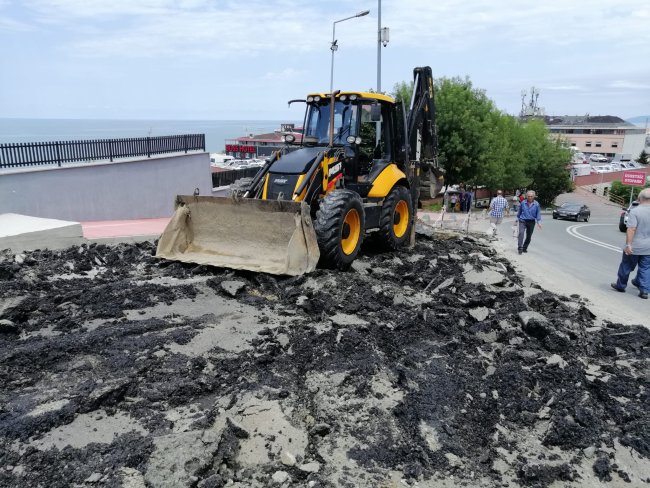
[(343, 98), (310, 99), (316, 98), (288, 138), (353, 97), (351, 139)]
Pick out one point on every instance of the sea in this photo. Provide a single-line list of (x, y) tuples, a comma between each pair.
[(15, 130)]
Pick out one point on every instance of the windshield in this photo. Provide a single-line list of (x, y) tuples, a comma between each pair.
[(318, 120)]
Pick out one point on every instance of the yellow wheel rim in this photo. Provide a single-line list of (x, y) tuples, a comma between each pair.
[(351, 231), (400, 218)]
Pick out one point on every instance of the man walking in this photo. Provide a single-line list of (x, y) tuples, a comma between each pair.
[(637, 248), (468, 201), (529, 212), (498, 206)]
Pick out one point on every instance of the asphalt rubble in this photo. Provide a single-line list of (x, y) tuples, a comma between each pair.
[(436, 366)]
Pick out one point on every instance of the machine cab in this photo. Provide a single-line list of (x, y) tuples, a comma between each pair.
[(363, 127)]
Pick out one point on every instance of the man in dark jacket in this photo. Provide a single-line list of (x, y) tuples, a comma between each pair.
[(528, 214), (467, 197)]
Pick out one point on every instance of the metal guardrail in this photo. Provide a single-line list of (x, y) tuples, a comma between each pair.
[(47, 153), (225, 178)]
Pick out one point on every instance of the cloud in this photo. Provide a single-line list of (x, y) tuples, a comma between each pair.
[(470, 23), (563, 87), (14, 25), (284, 75), (630, 85)]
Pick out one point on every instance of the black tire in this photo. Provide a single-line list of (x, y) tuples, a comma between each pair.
[(393, 231), (577, 217), (339, 226), (239, 187), (587, 217), (554, 217)]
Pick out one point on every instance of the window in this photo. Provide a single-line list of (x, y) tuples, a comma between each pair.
[(588, 144), (573, 144), (599, 144), (614, 144)]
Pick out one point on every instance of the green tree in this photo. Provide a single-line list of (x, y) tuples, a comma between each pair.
[(643, 157), (479, 145), (403, 92), (546, 162), (465, 122)]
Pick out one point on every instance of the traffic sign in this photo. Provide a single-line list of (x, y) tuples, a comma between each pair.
[(635, 178)]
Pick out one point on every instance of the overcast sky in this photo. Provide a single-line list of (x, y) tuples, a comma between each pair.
[(221, 59)]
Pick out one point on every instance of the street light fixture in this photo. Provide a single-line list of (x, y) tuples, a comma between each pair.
[(335, 46)]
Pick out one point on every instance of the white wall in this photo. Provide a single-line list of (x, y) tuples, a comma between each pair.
[(128, 189), (633, 144)]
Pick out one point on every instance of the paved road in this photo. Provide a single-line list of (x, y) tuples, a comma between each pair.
[(577, 257)]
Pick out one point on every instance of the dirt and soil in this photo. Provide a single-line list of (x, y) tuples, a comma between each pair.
[(436, 366)]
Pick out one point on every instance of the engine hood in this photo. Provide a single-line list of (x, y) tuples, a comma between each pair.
[(298, 161)]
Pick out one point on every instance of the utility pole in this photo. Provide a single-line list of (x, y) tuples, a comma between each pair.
[(382, 39), (379, 46)]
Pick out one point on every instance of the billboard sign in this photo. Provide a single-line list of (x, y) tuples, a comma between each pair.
[(635, 178)]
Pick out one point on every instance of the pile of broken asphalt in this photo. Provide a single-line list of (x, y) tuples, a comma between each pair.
[(435, 366)]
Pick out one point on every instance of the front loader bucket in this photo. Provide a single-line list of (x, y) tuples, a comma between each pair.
[(269, 236)]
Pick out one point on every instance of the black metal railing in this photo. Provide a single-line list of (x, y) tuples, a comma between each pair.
[(46, 153), (224, 178)]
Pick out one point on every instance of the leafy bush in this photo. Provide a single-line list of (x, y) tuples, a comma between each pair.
[(623, 191)]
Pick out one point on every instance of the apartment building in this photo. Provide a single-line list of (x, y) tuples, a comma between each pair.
[(607, 135)]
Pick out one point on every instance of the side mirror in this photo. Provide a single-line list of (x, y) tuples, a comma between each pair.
[(375, 112)]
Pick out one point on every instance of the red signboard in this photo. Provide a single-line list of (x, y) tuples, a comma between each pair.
[(634, 178), (238, 148)]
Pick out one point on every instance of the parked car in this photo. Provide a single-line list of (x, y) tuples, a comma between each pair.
[(602, 168), (598, 158), (622, 224), (573, 211)]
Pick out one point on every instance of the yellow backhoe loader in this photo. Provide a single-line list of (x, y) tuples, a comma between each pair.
[(355, 173)]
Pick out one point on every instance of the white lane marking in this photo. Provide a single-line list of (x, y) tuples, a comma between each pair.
[(573, 231)]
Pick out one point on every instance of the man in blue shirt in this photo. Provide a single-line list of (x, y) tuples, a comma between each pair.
[(529, 212), (498, 206)]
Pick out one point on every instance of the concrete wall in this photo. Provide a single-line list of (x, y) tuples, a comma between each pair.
[(605, 177), (129, 189)]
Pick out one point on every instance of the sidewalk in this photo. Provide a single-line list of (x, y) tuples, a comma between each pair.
[(124, 228)]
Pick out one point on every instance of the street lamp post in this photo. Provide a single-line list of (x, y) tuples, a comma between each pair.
[(335, 46), (382, 39)]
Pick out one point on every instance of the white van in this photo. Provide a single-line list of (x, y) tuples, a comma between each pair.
[(219, 160)]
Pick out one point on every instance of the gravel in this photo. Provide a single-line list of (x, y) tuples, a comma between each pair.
[(431, 367)]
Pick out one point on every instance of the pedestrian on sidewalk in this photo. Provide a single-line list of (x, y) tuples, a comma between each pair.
[(498, 207), (467, 197), (637, 248), (528, 214), (452, 199)]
